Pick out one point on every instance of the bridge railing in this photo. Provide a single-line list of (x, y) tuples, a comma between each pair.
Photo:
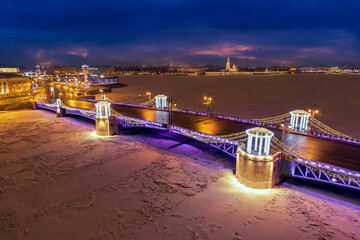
[(129, 121), (202, 136), (80, 112), (336, 138), (51, 107), (304, 168)]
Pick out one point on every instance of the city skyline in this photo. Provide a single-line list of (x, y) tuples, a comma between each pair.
[(301, 33)]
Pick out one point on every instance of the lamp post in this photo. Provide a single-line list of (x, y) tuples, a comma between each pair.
[(313, 111), (149, 94), (208, 100)]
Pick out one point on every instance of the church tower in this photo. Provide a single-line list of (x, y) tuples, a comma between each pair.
[(227, 68)]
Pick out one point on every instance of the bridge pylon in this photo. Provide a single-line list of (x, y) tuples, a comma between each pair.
[(161, 101), (255, 167), (299, 120), (60, 111), (105, 123)]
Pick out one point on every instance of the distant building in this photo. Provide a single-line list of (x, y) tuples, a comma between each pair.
[(307, 69), (335, 69), (227, 68), (230, 69), (103, 80), (9, 70), (14, 85)]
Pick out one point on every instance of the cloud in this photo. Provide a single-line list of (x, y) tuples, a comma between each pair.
[(83, 52), (131, 32), (225, 50)]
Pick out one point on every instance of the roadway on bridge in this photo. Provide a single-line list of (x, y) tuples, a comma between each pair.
[(316, 149)]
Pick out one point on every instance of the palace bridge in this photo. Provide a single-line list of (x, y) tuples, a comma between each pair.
[(294, 144)]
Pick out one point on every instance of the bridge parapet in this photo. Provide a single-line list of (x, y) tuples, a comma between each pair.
[(320, 172)]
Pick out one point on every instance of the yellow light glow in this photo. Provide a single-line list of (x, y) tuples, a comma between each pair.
[(244, 188), (204, 98), (317, 111), (309, 110), (93, 134)]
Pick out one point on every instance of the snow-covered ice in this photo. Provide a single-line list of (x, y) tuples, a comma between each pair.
[(58, 180)]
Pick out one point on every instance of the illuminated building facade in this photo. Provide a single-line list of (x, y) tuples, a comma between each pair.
[(14, 85), (228, 67), (9, 70)]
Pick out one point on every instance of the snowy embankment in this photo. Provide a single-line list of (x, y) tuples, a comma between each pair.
[(58, 180)]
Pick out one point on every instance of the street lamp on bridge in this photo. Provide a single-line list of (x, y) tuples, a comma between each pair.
[(313, 112), (208, 102), (149, 94)]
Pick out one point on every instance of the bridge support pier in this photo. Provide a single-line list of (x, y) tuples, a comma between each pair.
[(60, 111), (257, 171), (255, 167), (106, 124)]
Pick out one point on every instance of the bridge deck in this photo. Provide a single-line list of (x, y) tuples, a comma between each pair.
[(316, 149)]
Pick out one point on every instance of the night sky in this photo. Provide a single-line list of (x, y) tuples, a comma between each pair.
[(196, 32)]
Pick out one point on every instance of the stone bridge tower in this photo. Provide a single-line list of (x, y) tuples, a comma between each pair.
[(105, 123), (161, 101), (299, 120), (255, 167)]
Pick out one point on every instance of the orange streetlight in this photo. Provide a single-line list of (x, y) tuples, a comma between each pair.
[(313, 112), (208, 100), (149, 94)]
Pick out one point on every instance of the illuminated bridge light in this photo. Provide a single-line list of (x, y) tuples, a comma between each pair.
[(258, 136), (299, 120)]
